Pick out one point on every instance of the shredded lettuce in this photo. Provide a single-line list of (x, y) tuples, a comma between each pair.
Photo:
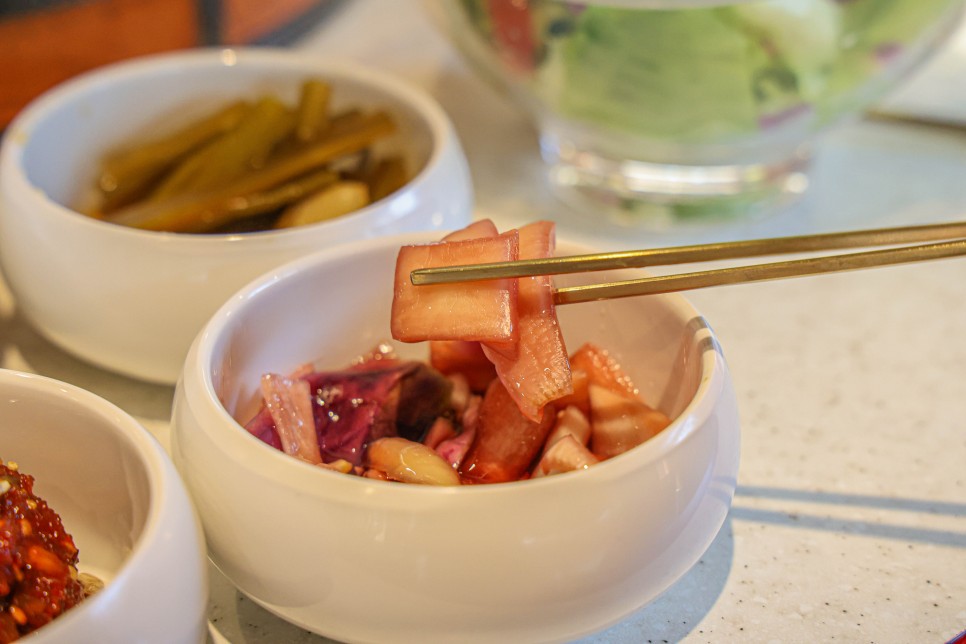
[(677, 74), (708, 74)]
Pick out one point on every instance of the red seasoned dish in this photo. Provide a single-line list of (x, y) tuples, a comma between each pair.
[(38, 559)]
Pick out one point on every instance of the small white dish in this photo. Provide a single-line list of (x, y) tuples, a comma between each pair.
[(131, 301), (359, 560), (121, 499)]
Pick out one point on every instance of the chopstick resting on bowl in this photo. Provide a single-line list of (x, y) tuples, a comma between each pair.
[(948, 240)]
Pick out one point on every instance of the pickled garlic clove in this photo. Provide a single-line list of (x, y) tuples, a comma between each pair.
[(410, 462)]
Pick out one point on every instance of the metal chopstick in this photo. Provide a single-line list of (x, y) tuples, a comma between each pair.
[(759, 272), (689, 254), (953, 245)]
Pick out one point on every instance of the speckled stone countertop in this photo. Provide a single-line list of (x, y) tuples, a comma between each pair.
[(849, 523)]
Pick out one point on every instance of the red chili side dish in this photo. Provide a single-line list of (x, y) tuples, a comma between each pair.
[(500, 399), (38, 559)]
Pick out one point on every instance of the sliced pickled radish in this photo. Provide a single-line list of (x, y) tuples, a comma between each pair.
[(538, 371), (485, 310), (620, 422), (565, 455)]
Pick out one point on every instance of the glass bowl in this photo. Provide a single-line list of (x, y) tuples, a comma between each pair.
[(661, 111)]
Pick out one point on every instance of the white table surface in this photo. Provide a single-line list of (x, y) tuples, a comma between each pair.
[(849, 523)]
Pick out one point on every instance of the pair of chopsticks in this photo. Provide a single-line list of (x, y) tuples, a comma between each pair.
[(949, 238)]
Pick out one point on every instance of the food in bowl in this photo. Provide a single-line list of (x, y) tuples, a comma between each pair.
[(39, 580), (550, 558), (676, 111), (252, 165), (712, 74), (511, 405), (66, 269), (403, 420), (127, 512)]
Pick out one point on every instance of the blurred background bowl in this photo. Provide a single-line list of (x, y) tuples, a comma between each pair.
[(130, 300), (121, 499), (357, 559), (674, 112)]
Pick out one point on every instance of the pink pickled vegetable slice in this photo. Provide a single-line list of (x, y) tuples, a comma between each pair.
[(481, 229), (460, 396), (590, 364), (603, 369), (565, 455), (452, 356), (570, 422), (539, 370), (289, 402), (620, 422), (453, 450), (485, 310), (458, 356), (441, 430), (506, 441)]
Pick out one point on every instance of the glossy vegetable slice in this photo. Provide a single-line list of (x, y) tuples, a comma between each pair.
[(485, 310), (467, 358), (462, 356), (620, 422), (538, 370), (289, 403), (453, 450), (442, 429), (506, 442), (479, 229), (591, 364), (565, 455), (570, 422)]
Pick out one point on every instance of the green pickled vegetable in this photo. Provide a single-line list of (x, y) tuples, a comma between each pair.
[(313, 110), (202, 212), (126, 175), (233, 153), (386, 177), (249, 166)]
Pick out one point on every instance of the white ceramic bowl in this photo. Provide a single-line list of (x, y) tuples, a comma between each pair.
[(121, 499), (359, 560), (132, 301)]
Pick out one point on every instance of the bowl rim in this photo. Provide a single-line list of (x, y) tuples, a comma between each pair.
[(151, 456), (197, 388), (61, 96)]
